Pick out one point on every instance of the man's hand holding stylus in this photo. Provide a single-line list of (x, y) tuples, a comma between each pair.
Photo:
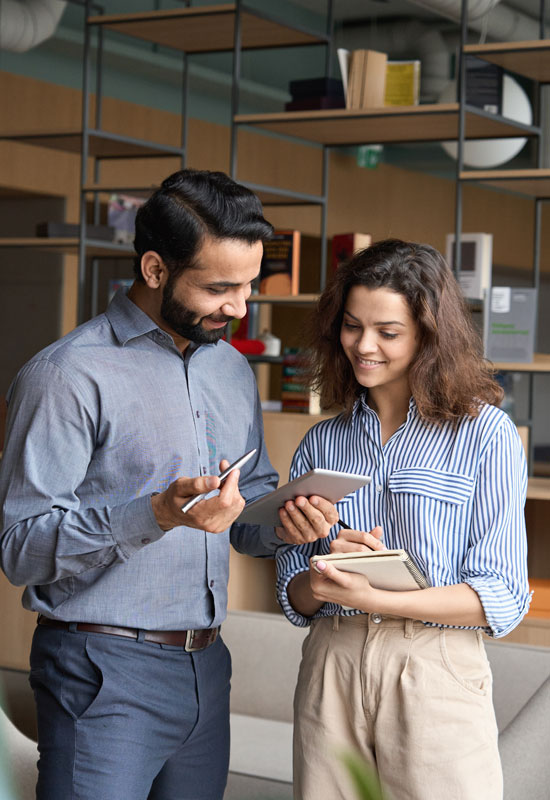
[(214, 514)]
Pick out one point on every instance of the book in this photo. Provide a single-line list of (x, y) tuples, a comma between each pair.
[(316, 87), (316, 101), (344, 58), (402, 83), (296, 394), (60, 229), (476, 262), (510, 326), (385, 569), (374, 79), (344, 245), (484, 84), (367, 79), (280, 267)]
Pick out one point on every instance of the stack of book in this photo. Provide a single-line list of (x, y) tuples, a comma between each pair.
[(315, 93), (296, 395)]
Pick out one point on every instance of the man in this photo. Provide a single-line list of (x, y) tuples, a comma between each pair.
[(130, 676)]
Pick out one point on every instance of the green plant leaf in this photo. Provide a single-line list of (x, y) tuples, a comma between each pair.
[(364, 778)]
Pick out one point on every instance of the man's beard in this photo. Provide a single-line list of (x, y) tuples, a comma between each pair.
[(182, 319)]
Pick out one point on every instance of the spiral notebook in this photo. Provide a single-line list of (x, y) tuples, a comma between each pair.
[(385, 569)]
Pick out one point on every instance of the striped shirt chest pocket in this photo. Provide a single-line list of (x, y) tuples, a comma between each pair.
[(429, 504)]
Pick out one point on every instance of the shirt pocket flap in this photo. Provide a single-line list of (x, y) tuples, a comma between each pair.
[(449, 487)]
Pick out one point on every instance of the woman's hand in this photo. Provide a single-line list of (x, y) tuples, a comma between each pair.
[(332, 585), (357, 541)]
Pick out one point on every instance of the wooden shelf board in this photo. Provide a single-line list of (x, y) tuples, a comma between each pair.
[(296, 299), (538, 489), (205, 29), (531, 59), (540, 363), (69, 246), (423, 123), (531, 182), (101, 144)]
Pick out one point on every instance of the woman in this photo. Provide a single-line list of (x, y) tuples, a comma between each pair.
[(404, 678)]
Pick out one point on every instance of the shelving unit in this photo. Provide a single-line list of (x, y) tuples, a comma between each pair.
[(439, 122), (236, 27)]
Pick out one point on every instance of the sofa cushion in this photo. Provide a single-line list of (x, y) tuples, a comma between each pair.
[(261, 747)]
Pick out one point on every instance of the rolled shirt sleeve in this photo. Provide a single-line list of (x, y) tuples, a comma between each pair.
[(496, 563)]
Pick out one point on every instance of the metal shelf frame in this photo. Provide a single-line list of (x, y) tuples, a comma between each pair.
[(275, 195), (490, 52)]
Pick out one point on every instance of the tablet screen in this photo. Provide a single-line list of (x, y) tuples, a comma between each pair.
[(326, 483)]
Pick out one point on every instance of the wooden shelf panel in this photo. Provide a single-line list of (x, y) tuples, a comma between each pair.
[(423, 123), (540, 363), (531, 182), (538, 489), (69, 246), (102, 144), (531, 59), (206, 29)]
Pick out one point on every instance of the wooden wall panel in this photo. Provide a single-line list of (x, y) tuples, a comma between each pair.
[(387, 201)]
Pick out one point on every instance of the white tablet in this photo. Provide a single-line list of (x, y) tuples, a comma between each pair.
[(326, 483)]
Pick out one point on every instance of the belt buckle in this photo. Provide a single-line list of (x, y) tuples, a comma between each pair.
[(190, 641), (205, 638)]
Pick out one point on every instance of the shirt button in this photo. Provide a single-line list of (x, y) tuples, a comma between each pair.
[(379, 487), (146, 541), (204, 470), (211, 584), (198, 413), (376, 618)]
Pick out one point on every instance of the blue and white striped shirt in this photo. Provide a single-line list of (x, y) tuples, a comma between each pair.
[(453, 497)]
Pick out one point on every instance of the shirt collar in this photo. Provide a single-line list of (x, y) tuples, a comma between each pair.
[(127, 320), (362, 410)]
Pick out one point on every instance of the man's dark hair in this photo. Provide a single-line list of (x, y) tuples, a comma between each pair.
[(189, 205)]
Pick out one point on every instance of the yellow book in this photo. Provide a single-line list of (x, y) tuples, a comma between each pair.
[(402, 83)]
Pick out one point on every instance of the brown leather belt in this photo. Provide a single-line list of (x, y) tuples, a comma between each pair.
[(190, 640)]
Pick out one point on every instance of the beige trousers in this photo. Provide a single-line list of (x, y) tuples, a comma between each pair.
[(413, 701)]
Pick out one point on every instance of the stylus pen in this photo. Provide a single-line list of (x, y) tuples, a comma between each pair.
[(345, 525)]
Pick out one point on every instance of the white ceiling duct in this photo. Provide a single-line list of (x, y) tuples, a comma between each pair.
[(499, 21), (26, 23)]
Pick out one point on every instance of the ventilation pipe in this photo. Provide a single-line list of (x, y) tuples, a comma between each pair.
[(27, 23), (487, 16)]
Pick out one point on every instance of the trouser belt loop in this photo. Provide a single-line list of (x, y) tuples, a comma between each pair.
[(409, 628), (336, 622)]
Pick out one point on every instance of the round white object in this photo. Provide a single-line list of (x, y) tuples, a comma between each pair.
[(487, 153)]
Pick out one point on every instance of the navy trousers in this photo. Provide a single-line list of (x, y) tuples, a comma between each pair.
[(120, 719)]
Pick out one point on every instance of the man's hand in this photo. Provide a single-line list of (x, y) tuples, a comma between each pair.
[(306, 519), (215, 514)]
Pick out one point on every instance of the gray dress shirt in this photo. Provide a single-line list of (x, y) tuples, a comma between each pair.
[(97, 422)]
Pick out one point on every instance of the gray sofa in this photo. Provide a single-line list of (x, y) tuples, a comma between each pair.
[(266, 652)]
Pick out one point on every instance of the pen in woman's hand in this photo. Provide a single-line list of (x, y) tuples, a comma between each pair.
[(345, 525)]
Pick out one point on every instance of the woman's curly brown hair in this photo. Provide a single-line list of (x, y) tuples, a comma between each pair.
[(449, 378)]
